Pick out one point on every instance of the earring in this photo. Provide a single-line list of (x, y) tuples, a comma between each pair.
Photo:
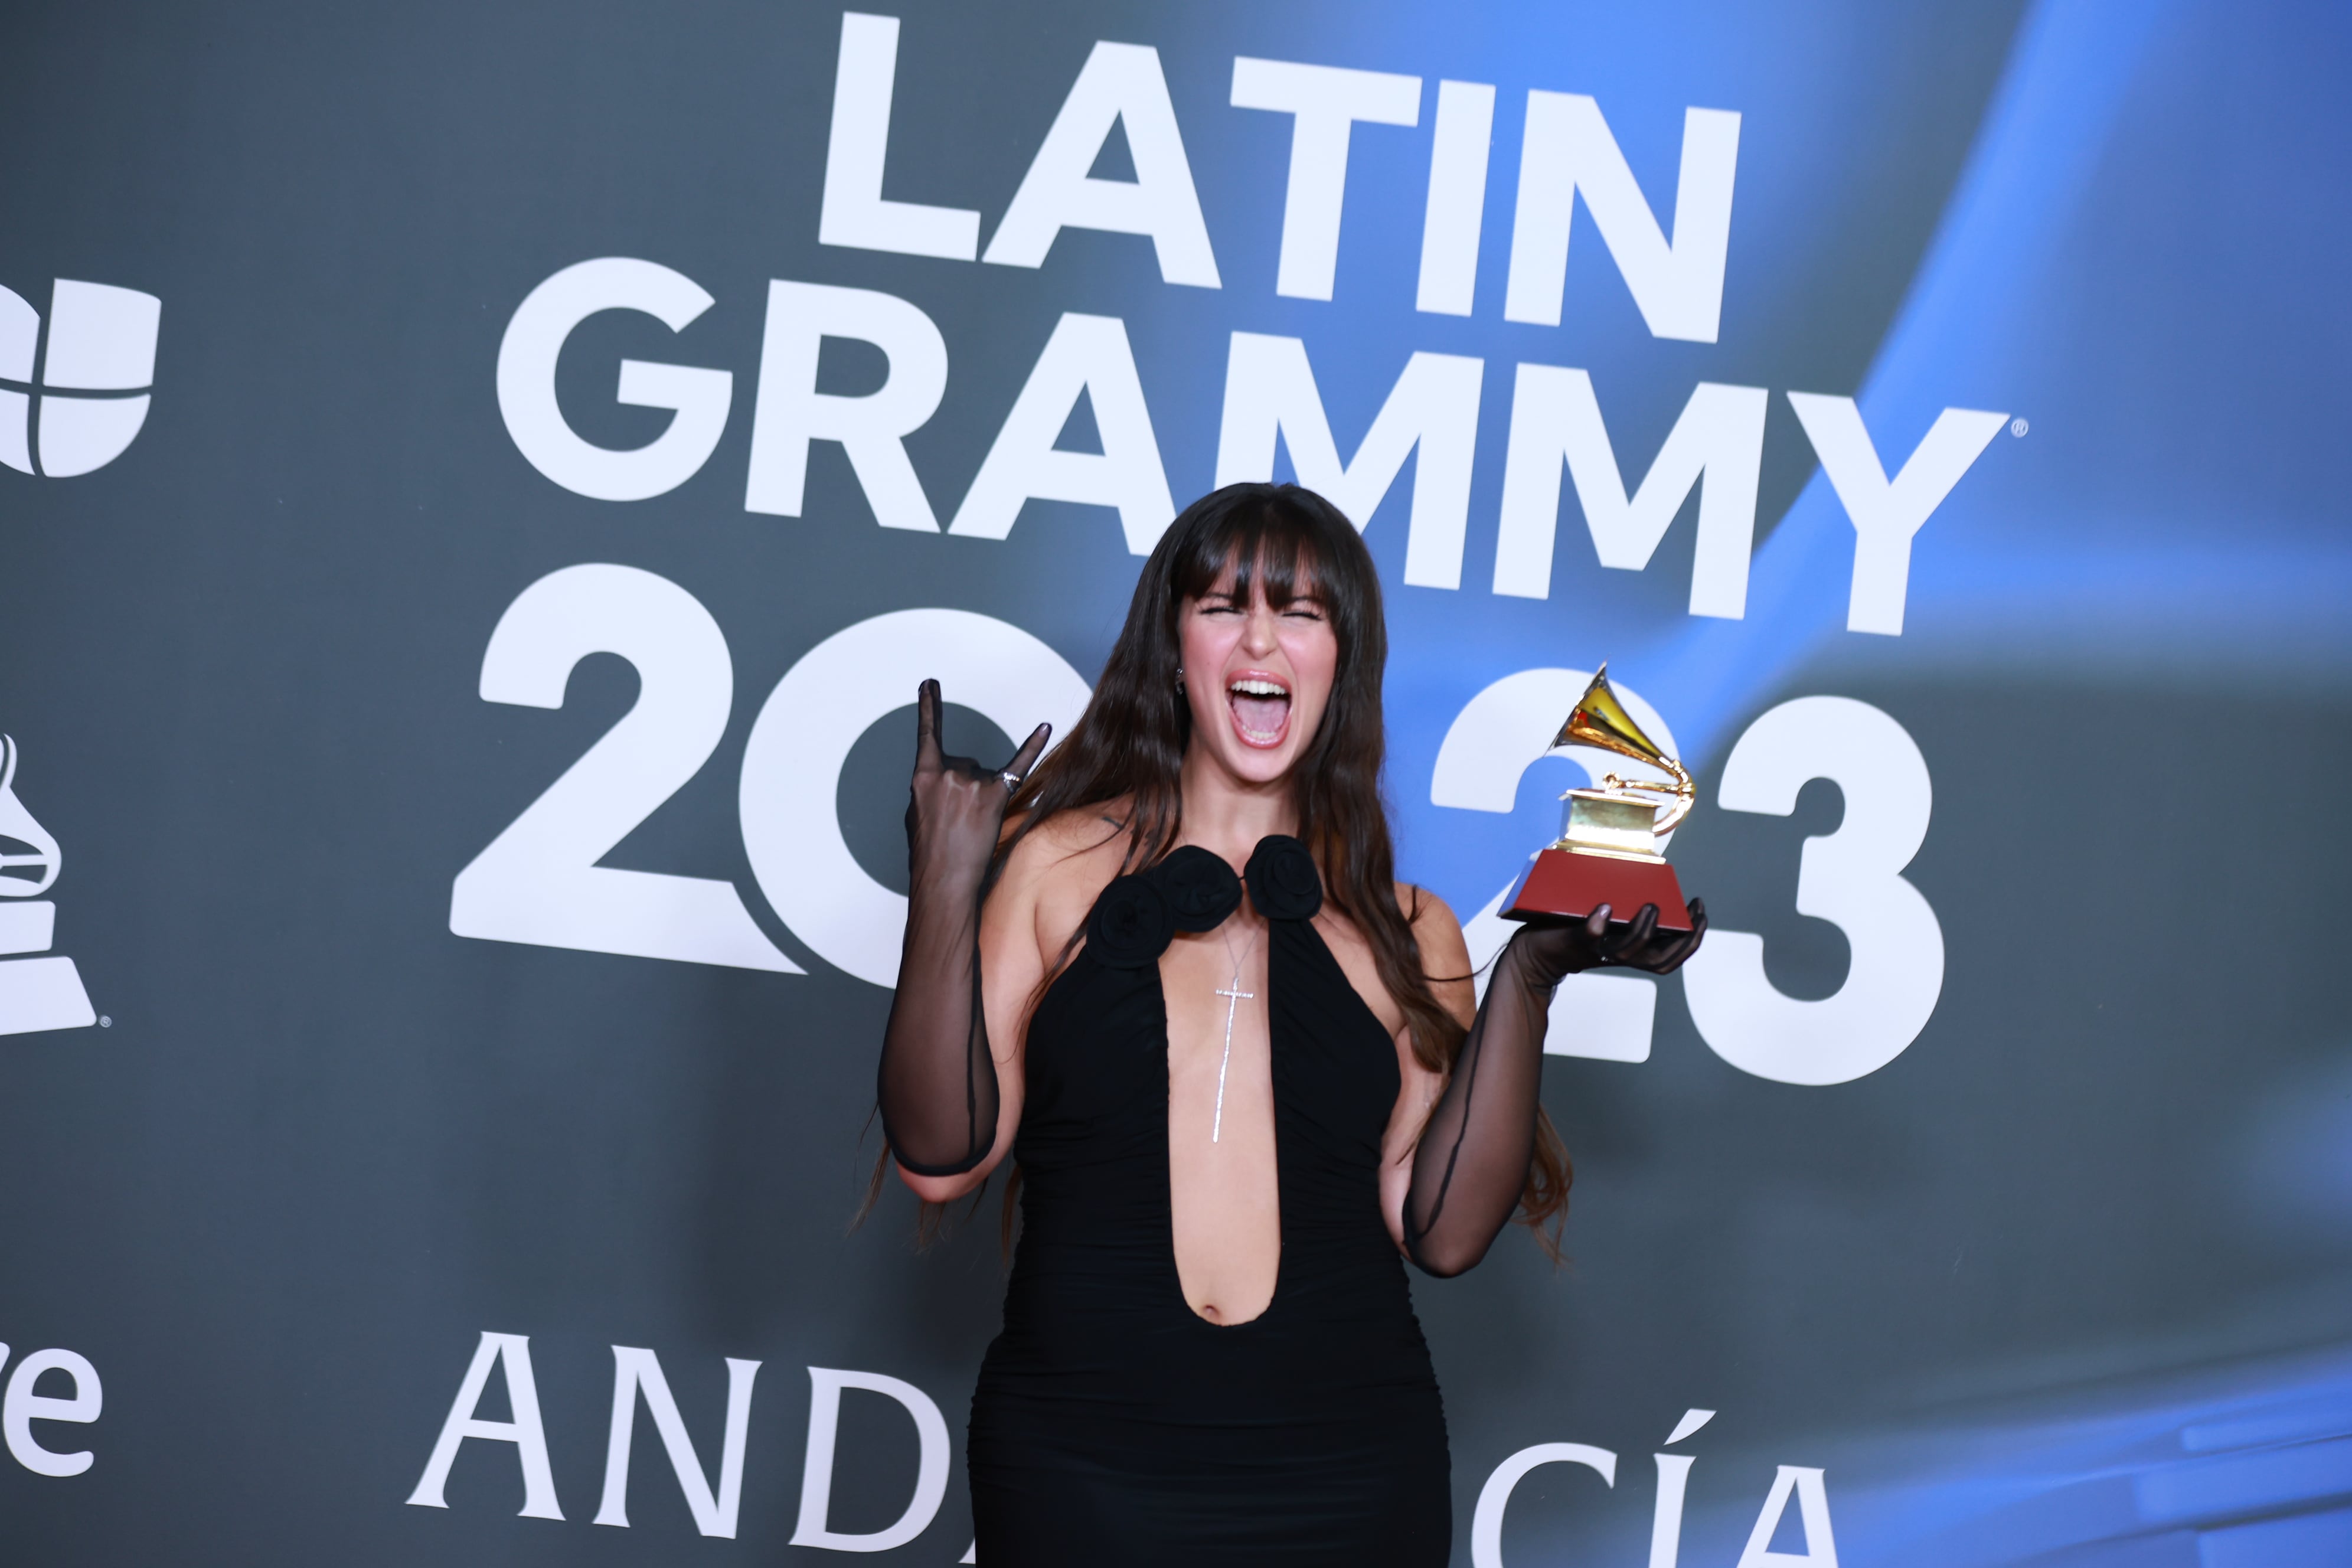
[(1179, 680)]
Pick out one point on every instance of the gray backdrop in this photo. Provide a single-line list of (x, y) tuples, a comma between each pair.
[(317, 1144)]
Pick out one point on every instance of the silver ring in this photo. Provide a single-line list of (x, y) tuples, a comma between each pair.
[(1012, 782)]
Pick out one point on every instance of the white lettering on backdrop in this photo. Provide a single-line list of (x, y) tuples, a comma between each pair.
[(1805, 1483), (635, 1370), (636, 1374), (538, 881), (1087, 356), (1568, 151), (24, 1403), (510, 1354), (1121, 85), (815, 1527), (1498, 735), (1270, 393), (1888, 514), (1850, 878), (855, 212), (792, 760), (1456, 207), (872, 427), (1716, 445), (1324, 103), (534, 339)]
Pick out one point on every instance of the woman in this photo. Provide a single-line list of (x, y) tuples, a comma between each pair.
[(1238, 1101)]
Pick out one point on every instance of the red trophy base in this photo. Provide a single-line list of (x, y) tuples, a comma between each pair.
[(1564, 885)]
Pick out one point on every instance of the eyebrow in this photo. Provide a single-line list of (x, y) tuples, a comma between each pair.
[(1228, 596)]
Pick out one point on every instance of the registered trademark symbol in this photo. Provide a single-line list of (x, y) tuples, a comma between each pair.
[(2019, 426), (104, 1022)]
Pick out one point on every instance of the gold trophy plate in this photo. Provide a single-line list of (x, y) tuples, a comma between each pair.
[(1609, 853)]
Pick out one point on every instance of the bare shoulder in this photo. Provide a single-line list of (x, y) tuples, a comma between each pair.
[(1065, 846), (1444, 951), (1059, 867), (1444, 954)]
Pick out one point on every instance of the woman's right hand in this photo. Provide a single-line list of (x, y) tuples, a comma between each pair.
[(956, 809)]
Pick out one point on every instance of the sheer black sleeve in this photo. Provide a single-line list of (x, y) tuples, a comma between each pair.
[(937, 1087), (1472, 1161)]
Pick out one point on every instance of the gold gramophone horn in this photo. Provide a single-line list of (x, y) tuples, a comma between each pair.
[(1600, 719)]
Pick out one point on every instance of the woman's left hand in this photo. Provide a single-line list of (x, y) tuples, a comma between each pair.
[(1551, 951)]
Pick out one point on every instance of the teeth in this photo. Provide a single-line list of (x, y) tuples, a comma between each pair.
[(1258, 688)]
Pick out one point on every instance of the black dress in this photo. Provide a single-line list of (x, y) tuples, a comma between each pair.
[(1113, 1425)]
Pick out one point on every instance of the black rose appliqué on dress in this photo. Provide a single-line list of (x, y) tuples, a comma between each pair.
[(1195, 891), (1201, 888), (1283, 881), (1132, 923)]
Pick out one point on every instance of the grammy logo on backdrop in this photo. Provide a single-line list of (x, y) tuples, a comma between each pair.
[(35, 993), (1608, 852)]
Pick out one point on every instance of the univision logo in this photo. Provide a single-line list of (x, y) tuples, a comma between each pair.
[(90, 399)]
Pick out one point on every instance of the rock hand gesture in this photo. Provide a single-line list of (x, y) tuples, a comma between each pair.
[(937, 1088)]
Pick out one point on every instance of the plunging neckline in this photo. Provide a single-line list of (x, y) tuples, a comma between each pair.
[(1132, 925), (1264, 1013), (1318, 952), (1320, 1409)]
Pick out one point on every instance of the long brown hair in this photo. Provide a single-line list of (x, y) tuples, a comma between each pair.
[(1129, 745)]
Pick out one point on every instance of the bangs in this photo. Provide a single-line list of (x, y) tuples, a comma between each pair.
[(1275, 543)]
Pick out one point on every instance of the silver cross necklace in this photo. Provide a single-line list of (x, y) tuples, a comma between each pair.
[(1234, 997)]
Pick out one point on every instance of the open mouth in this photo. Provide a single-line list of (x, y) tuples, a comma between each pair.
[(1261, 709)]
